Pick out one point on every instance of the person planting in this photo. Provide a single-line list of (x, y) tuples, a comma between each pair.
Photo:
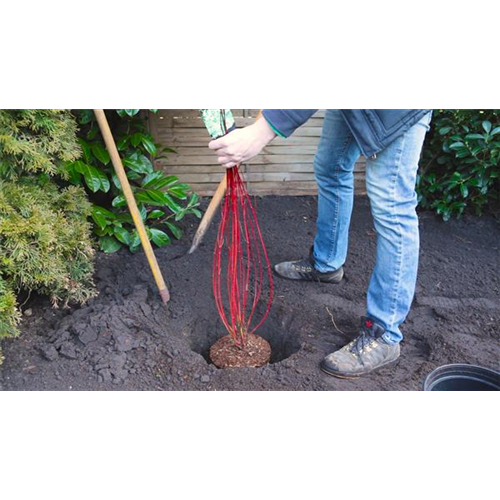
[(392, 141)]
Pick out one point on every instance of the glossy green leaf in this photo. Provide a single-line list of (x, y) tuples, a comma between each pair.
[(116, 181), (104, 212), (158, 180), (74, 174), (160, 238), (101, 153), (109, 244), (86, 150), (174, 206), (138, 163), (178, 193), (85, 116), (149, 145), (122, 235), (135, 242), (136, 139), (474, 137), (122, 143), (119, 201), (99, 219), (94, 178), (156, 214), (194, 200), (175, 230), (92, 133), (143, 211)]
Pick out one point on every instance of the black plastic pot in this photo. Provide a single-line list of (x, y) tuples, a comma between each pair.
[(462, 378)]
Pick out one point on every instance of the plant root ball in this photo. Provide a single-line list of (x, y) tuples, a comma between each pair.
[(225, 354)]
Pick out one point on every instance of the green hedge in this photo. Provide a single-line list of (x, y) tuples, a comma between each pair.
[(461, 162)]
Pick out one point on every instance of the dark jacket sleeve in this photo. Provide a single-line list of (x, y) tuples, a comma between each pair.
[(286, 121)]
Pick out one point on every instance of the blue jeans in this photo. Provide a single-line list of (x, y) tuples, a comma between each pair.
[(390, 183)]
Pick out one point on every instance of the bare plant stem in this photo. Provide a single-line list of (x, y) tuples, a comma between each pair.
[(333, 321)]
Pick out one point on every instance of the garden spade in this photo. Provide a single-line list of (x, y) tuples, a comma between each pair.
[(132, 205)]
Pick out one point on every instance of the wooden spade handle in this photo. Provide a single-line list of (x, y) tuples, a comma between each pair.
[(132, 205)]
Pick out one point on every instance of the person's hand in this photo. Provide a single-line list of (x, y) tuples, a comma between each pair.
[(243, 144)]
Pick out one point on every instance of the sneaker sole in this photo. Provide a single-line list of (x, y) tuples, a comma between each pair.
[(353, 377)]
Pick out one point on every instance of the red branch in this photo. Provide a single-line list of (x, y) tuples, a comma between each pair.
[(247, 267)]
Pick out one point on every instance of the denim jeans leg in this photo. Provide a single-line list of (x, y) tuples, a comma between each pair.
[(334, 170), (390, 182)]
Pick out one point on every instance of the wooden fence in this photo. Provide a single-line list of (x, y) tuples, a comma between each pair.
[(285, 167)]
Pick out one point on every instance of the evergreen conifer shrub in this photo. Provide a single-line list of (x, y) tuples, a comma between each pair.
[(45, 233)]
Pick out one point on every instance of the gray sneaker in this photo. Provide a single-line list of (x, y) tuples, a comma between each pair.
[(304, 270), (364, 354)]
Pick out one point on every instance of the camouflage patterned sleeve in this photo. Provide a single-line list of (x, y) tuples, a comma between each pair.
[(218, 121)]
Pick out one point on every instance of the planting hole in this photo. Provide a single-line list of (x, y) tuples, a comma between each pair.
[(279, 330)]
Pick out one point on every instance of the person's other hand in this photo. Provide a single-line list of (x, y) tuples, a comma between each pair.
[(243, 144)]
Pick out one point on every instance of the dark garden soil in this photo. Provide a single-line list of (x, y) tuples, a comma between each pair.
[(125, 339)]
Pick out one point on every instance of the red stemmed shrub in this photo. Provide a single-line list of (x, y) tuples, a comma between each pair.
[(242, 277)]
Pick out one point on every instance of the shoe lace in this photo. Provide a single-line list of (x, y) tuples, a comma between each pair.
[(302, 265), (359, 344)]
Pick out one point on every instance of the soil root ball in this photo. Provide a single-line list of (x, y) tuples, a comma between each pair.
[(225, 354)]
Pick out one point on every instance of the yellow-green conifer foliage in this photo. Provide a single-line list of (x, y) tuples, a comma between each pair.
[(45, 242)]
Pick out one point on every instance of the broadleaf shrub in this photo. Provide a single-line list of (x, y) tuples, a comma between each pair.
[(460, 169), (161, 198)]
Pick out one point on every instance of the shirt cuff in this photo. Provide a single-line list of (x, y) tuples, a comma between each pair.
[(275, 130)]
